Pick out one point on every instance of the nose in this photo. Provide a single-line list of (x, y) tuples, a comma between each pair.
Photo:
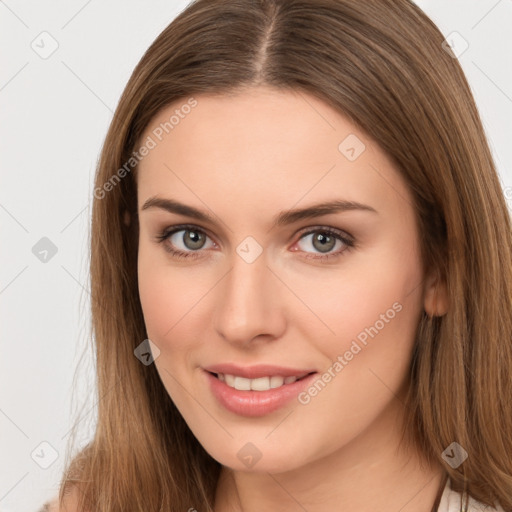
[(248, 303)]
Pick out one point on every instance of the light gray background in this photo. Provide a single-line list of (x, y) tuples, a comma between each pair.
[(54, 115)]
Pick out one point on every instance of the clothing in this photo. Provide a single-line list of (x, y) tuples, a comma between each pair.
[(451, 502)]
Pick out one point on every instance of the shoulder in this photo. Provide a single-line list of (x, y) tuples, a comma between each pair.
[(70, 504), (50, 506)]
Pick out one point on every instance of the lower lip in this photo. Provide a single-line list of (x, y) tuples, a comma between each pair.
[(256, 403)]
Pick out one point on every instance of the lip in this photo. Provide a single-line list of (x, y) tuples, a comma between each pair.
[(255, 403)]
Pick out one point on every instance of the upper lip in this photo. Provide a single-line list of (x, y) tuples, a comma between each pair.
[(256, 371)]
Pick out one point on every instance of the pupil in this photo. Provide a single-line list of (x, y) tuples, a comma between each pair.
[(193, 240), (326, 242)]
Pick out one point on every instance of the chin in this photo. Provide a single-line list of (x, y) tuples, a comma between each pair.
[(258, 457)]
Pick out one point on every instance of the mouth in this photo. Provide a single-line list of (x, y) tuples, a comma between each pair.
[(264, 383), (262, 394)]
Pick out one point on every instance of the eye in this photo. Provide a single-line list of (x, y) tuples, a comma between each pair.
[(324, 240), (184, 241), (187, 241)]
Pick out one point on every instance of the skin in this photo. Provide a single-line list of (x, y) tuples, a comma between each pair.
[(244, 158)]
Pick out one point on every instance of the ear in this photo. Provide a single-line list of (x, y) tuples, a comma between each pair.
[(435, 298), (127, 218)]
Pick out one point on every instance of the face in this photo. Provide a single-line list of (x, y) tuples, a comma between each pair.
[(246, 279)]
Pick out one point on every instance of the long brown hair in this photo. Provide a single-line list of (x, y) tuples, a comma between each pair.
[(382, 64)]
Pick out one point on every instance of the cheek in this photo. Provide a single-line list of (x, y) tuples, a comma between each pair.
[(167, 296), (374, 312), (371, 307), (372, 295)]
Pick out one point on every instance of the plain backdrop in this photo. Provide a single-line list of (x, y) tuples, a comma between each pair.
[(55, 110)]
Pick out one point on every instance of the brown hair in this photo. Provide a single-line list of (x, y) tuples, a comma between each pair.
[(381, 63)]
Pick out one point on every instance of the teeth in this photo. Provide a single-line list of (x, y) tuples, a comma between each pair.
[(229, 379), (242, 384), (276, 381), (259, 384)]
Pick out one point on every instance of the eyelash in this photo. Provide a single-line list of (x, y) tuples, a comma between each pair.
[(347, 239)]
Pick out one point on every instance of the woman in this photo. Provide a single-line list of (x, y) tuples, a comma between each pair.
[(301, 272)]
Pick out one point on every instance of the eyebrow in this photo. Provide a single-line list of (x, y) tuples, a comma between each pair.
[(281, 219)]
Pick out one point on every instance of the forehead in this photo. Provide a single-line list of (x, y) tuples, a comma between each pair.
[(268, 149)]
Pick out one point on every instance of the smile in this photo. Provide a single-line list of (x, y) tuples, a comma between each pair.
[(259, 392), (259, 384)]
